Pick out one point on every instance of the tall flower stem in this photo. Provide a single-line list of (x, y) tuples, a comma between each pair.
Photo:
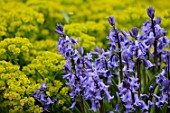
[(138, 71), (101, 101), (159, 67), (79, 95), (81, 104), (138, 74), (144, 77), (120, 58), (155, 47), (101, 106)]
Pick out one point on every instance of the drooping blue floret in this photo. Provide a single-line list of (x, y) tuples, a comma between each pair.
[(151, 12)]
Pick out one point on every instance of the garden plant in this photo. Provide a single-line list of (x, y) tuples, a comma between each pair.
[(132, 75), (89, 63)]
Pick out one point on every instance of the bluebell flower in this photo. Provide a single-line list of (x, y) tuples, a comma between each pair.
[(134, 83), (108, 96), (64, 46), (160, 77), (113, 38), (124, 40), (166, 56), (163, 42), (148, 64), (157, 21), (71, 78), (94, 106), (55, 101), (46, 107), (146, 28), (81, 50), (111, 21), (41, 96), (150, 103), (128, 61), (140, 103), (74, 42), (98, 95), (96, 48), (111, 112), (134, 32), (36, 94), (144, 96), (151, 88), (49, 101), (159, 31), (127, 93), (151, 12), (117, 109), (161, 100), (43, 87), (59, 29), (73, 105), (68, 66), (42, 99)]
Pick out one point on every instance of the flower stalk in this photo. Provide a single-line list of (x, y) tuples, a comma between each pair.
[(155, 47), (120, 60), (101, 107), (138, 74)]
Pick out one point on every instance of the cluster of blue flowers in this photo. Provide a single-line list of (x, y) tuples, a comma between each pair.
[(90, 74), (42, 99), (84, 75)]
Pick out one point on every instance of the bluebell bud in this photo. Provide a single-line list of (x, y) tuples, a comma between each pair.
[(150, 12)]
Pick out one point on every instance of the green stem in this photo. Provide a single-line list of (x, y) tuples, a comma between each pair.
[(155, 47), (81, 104), (101, 106), (120, 59), (120, 56), (138, 74), (21, 61), (144, 77), (159, 67)]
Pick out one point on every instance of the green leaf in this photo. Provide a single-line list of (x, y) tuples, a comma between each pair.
[(115, 85), (65, 16), (146, 88), (164, 108), (87, 107), (107, 105), (155, 92)]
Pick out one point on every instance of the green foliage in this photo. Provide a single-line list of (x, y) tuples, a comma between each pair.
[(38, 19), (45, 45), (17, 50), (15, 95), (57, 89), (48, 67), (19, 22), (46, 64)]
